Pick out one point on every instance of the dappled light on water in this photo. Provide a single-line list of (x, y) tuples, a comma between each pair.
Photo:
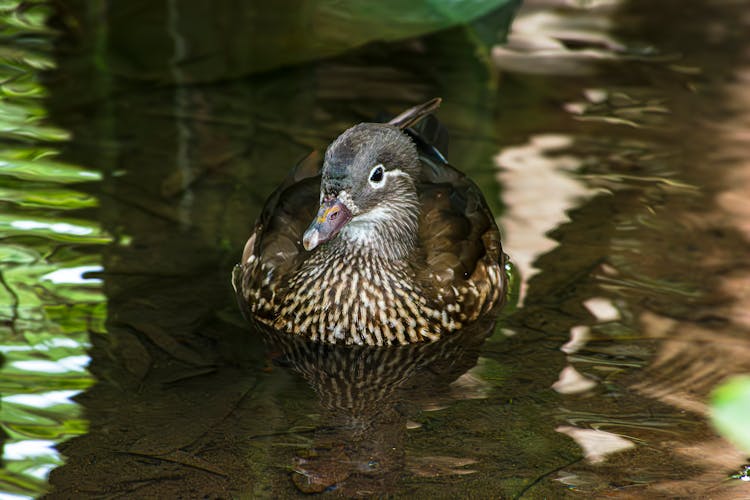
[(609, 139)]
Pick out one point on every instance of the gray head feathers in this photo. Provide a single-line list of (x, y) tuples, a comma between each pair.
[(351, 157)]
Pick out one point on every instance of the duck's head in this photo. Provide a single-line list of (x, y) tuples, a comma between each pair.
[(368, 187)]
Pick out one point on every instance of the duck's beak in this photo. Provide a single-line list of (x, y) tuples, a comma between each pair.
[(332, 216)]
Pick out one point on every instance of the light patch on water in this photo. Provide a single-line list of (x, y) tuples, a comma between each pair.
[(13, 496), (579, 335), (42, 400), (540, 41), (64, 365), (51, 343), (572, 382), (57, 227), (539, 190), (17, 348), (596, 96), (596, 444), (67, 342), (29, 449), (73, 275), (602, 308), (40, 472)]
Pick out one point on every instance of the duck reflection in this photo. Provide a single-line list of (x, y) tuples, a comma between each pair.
[(367, 395)]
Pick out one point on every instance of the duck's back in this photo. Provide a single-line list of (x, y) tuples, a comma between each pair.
[(460, 240)]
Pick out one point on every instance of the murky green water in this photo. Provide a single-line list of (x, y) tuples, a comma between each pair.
[(610, 139)]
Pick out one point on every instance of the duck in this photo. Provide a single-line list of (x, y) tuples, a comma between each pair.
[(380, 241)]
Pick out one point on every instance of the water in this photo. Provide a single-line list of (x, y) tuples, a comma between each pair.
[(610, 140)]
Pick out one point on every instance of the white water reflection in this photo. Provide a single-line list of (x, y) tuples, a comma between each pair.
[(602, 308), (30, 448), (56, 227), (64, 365), (572, 382), (539, 189), (579, 336), (11, 496), (541, 40), (596, 444), (46, 345), (42, 400), (73, 275)]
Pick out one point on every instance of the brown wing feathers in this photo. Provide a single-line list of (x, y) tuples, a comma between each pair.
[(460, 258)]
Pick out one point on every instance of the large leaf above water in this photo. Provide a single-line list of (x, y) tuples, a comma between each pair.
[(193, 41)]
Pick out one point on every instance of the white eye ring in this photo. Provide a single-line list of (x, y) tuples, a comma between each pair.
[(377, 176)]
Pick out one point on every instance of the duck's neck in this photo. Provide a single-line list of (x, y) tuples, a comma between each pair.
[(390, 233)]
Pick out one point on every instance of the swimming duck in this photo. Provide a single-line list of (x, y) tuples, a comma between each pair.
[(402, 249)]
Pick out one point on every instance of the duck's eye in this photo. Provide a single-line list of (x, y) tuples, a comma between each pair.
[(376, 176)]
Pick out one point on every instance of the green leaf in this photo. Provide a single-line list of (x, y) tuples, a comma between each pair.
[(730, 411), (298, 32), (16, 163)]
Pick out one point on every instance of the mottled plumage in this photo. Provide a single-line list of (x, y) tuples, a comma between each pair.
[(403, 247)]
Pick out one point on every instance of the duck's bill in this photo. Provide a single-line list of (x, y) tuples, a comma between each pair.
[(332, 216)]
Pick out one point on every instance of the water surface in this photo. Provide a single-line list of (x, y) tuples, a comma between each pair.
[(610, 141)]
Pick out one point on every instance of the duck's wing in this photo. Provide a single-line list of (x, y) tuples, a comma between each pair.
[(274, 246), (460, 240), (431, 138), (415, 114)]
